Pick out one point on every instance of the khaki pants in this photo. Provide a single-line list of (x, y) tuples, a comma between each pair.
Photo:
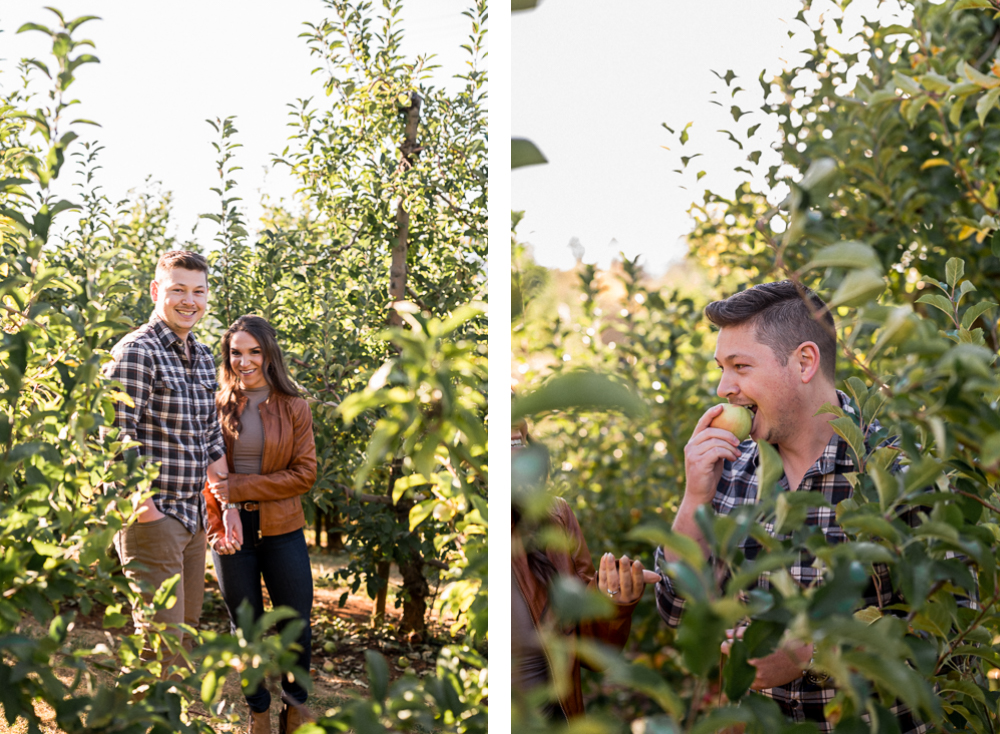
[(155, 551)]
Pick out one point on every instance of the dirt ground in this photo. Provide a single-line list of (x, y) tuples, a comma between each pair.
[(341, 635)]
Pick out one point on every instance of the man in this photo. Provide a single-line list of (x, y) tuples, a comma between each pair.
[(777, 351), (171, 380)]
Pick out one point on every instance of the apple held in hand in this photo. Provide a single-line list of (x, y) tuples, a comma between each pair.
[(736, 419)]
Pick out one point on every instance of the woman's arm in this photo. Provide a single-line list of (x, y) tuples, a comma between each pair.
[(613, 631), (298, 478)]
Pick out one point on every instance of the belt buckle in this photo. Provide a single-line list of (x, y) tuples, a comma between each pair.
[(251, 506)]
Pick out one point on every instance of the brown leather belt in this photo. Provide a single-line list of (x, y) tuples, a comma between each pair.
[(249, 506)]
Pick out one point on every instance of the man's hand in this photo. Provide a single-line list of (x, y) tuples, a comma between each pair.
[(704, 455), (780, 667), (625, 578), (148, 512)]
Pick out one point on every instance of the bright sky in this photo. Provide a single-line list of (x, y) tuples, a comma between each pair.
[(591, 85), (167, 67)]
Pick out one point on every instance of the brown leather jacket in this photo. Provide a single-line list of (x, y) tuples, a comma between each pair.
[(287, 469), (578, 563)]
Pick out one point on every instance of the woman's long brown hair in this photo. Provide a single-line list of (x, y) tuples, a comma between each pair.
[(230, 399)]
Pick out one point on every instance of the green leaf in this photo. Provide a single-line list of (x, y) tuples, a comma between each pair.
[(378, 675), (938, 301), (955, 113), (974, 312), (846, 254), (986, 103), (922, 474), (737, 673), (830, 408), (934, 82), (524, 153), (973, 5), (573, 602), (516, 5), (978, 78), (421, 511), (581, 390), (933, 163), (887, 485), (770, 469), (857, 288), (954, 270), (906, 83), (847, 429), (209, 687), (687, 549)]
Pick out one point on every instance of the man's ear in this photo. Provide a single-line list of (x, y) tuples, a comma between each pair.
[(808, 360), (154, 289)]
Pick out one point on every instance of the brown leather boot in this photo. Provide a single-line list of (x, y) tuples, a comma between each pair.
[(259, 723), (293, 715)]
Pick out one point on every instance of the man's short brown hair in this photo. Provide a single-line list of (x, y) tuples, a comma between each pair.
[(784, 315), (184, 259)]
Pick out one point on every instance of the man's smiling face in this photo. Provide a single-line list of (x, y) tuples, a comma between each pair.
[(753, 376), (181, 297)]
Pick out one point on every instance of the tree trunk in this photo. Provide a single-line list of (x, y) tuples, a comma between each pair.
[(319, 529), (415, 600), (414, 583), (334, 537), (378, 612), (397, 270)]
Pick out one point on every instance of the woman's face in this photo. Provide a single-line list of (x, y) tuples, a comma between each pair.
[(247, 360)]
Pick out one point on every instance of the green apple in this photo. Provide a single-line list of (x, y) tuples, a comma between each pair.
[(736, 419)]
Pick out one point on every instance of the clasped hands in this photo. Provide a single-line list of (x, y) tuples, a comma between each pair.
[(232, 538), (623, 579)]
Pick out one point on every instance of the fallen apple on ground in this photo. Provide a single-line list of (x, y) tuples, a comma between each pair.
[(734, 418)]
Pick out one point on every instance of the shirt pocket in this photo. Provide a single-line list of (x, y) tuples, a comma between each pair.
[(168, 400), (204, 397), (168, 386)]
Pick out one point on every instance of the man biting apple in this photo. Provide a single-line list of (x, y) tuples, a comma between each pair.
[(777, 351)]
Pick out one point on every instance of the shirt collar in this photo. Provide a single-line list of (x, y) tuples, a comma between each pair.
[(165, 334), (837, 449)]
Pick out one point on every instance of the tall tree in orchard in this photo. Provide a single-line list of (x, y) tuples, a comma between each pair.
[(394, 172)]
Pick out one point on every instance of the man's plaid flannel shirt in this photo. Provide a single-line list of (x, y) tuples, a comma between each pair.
[(174, 418), (801, 699)]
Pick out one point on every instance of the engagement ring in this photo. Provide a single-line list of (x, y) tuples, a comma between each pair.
[(612, 593)]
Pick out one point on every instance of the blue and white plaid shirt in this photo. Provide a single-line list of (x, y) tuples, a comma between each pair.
[(174, 418), (801, 699)]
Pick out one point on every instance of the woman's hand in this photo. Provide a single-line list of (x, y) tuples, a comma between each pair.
[(220, 488), (232, 538), (217, 476), (623, 580)]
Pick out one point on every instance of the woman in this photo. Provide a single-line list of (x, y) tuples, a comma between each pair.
[(534, 569), (267, 427)]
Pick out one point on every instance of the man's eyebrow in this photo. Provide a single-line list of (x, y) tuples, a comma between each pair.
[(733, 358)]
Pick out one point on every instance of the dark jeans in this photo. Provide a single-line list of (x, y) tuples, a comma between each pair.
[(283, 561)]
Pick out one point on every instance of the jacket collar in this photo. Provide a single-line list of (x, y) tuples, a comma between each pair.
[(164, 333)]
